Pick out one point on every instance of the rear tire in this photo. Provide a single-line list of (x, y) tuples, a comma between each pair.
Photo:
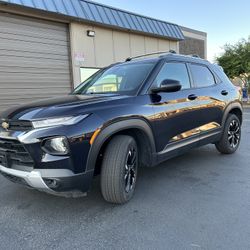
[(119, 169), (231, 136)]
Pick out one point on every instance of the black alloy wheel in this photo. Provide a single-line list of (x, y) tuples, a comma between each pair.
[(231, 135), (234, 133), (130, 170)]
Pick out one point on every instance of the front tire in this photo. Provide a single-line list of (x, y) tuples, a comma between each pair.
[(231, 136), (119, 169)]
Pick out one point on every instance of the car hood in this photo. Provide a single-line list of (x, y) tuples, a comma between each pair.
[(57, 107)]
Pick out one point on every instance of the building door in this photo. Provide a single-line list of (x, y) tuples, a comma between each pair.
[(34, 60)]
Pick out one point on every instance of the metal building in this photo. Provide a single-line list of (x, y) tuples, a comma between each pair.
[(48, 47)]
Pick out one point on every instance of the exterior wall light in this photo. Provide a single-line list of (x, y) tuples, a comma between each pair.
[(91, 33)]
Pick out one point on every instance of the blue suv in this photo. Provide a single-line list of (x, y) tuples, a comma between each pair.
[(137, 113)]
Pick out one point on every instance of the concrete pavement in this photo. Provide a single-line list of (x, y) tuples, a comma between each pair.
[(200, 200)]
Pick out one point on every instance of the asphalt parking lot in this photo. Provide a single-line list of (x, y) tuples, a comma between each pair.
[(200, 200)]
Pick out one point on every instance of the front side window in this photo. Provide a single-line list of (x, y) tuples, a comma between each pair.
[(202, 76), (174, 71), (120, 79)]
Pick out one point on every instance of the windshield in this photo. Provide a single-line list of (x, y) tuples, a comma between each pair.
[(119, 79)]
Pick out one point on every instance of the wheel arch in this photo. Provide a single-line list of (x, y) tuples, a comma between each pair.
[(233, 108), (139, 129)]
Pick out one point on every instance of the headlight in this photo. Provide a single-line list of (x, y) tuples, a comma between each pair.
[(56, 146), (69, 120)]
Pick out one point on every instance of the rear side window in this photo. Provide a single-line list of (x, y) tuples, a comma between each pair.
[(174, 71), (202, 76)]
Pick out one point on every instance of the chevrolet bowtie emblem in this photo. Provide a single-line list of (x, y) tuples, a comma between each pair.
[(5, 125)]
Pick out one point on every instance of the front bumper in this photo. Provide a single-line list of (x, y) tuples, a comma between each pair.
[(26, 145), (67, 183), (23, 160)]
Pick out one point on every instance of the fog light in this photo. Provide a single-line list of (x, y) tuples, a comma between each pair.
[(51, 183), (56, 145)]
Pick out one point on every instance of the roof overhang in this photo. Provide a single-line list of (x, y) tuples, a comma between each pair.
[(102, 15)]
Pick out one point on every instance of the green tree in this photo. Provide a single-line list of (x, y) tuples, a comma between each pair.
[(236, 60)]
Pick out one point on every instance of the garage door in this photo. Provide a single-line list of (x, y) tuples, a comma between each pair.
[(34, 60)]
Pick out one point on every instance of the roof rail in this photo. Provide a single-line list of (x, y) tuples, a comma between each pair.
[(195, 55), (150, 54), (172, 51)]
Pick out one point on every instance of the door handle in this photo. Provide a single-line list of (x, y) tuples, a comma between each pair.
[(224, 92), (192, 97)]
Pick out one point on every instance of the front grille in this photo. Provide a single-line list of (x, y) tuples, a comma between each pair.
[(14, 155), (14, 178), (18, 125)]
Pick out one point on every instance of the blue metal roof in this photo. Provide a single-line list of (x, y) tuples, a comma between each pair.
[(104, 15)]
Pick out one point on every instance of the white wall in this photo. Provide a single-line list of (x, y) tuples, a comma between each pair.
[(109, 46)]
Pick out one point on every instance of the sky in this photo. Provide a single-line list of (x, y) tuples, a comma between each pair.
[(223, 21)]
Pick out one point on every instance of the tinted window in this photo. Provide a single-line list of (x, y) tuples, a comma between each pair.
[(174, 71), (202, 76)]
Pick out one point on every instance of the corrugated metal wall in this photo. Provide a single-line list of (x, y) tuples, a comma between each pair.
[(34, 60)]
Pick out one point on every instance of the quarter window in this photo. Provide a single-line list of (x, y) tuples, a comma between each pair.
[(174, 71), (202, 76), (87, 72)]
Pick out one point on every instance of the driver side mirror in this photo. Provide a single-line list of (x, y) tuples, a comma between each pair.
[(168, 85)]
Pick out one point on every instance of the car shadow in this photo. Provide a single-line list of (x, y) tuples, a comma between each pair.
[(194, 168)]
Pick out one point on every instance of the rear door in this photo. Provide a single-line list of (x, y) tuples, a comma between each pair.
[(210, 97)]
